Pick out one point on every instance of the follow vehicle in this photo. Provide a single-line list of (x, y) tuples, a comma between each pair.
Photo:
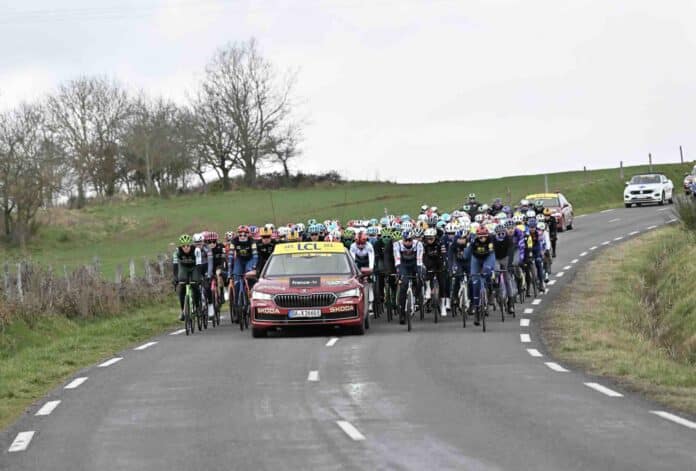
[(561, 207), (309, 283), (648, 188)]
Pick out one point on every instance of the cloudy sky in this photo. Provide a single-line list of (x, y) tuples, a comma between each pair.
[(401, 89)]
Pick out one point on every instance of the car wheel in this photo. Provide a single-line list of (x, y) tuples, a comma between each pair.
[(638, 205), (259, 333), (562, 226), (570, 226), (662, 199), (628, 205), (359, 329)]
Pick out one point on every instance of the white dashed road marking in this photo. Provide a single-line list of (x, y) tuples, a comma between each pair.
[(606, 242), (76, 382), (21, 442), (48, 408), (178, 332), (583, 254), (618, 238), (110, 362), (524, 322), (663, 209), (536, 302), (313, 376), (525, 338), (145, 345), (528, 310), (551, 283), (652, 227), (594, 247), (581, 215), (614, 220), (671, 220), (575, 260), (332, 342), (567, 267), (632, 233), (351, 431), (603, 389), (675, 418), (534, 352), (559, 274), (555, 367)]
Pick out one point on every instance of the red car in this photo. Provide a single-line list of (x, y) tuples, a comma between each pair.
[(561, 207), (309, 283)]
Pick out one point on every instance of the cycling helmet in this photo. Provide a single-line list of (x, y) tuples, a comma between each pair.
[(532, 223), (396, 235), (314, 229), (417, 232), (293, 236), (507, 209), (283, 231), (451, 228), (501, 216), (300, 227), (456, 214), (197, 238), (432, 220), (441, 224), (405, 217), (525, 203), (434, 209), (531, 213), (518, 219), (422, 224), (547, 212), (483, 208), (478, 218), (500, 230), (424, 208), (406, 235), (373, 231), (229, 235), (462, 234), (446, 217), (396, 226), (466, 208), (422, 217), (481, 231), (311, 222), (407, 225), (431, 232), (539, 217), (509, 223), (185, 239), (539, 204), (349, 234), (242, 229), (541, 225), (211, 238), (472, 196), (266, 232)]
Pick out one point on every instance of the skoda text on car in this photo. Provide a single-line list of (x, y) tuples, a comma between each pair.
[(648, 188), (559, 204), (308, 283)]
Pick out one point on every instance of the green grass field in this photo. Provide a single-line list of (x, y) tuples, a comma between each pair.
[(144, 227), (631, 315)]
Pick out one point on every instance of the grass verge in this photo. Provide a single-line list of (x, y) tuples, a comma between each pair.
[(631, 315), (36, 358)]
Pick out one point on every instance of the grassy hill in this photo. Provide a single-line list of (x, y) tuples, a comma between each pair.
[(118, 231)]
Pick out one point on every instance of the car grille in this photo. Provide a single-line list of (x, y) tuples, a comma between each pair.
[(304, 300), (645, 192)]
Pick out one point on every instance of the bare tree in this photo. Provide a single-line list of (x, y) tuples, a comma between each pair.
[(284, 147), (87, 116), (252, 102)]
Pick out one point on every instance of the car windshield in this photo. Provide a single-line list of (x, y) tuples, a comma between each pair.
[(548, 202), (645, 179), (308, 264)]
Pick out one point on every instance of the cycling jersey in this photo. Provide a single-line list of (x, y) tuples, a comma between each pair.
[(218, 258), (410, 257), (481, 249), (264, 251), (364, 256), (432, 255)]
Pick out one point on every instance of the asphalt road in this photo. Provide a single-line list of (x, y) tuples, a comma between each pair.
[(440, 397)]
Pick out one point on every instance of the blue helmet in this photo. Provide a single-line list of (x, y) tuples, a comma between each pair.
[(407, 235), (405, 218), (532, 223)]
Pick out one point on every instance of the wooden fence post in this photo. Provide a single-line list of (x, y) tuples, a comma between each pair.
[(49, 287), (131, 266), (119, 275), (148, 271), (20, 293), (67, 278)]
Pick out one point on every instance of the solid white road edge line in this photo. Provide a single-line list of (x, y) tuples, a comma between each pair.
[(313, 376), (614, 220), (178, 332), (555, 367), (536, 302), (48, 408), (76, 382), (528, 310), (534, 352), (332, 342), (110, 362), (351, 431), (603, 389), (524, 322), (606, 211), (675, 418), (145, 345), (583, 254), (21, 442), (525, 338)]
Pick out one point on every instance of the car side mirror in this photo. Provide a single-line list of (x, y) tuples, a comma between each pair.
[(366, 271), (565, 205)]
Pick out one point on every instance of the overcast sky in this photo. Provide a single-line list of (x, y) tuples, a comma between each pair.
[(399, 89)]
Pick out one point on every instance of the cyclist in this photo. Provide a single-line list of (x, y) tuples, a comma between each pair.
[(363, 252), (184, 262), (348, 237), (497, 206), (408, 261), (458, 261), (482, 255), (504, 248), (473, 205), (537, 251), (242, 259), (217, 262), (541, 226), (265, 248), (433, 253), (552, 227)]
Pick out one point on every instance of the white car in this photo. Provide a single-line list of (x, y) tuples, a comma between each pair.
[(648, 188)]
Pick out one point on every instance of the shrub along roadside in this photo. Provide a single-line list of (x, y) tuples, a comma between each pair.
[(37, 358), (631, 315)]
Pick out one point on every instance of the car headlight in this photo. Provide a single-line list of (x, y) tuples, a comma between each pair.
[(350, 293), (259, 296)]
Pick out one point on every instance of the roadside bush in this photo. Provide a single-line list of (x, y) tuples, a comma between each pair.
[(685, 211)]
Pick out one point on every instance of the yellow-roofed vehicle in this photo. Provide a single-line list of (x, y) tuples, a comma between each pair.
[(559, 204), (310, 283)]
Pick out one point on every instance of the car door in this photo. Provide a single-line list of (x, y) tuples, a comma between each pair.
[(566, 209)]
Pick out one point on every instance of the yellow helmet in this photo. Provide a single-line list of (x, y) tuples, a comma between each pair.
[(293, 236), (266, 232)]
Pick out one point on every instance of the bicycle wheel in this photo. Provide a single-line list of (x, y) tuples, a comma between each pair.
[(389, 307), (435, 299), (462, 303), (409, 310), (187, 318), (421, 303), (239, 314), (232, 307), (483, 306)]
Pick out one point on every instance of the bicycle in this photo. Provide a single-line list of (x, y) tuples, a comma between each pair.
[(531, 276), (390, 303), (482, 308), (189, 308), (460, 300), (217, 299), (520, 279), (434, 294), (242, 305), (500, 292), (410, 305)]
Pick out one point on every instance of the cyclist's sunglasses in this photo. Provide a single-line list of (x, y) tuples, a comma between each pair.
[(314, 234)]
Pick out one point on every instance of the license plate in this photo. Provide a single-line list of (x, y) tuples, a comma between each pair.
[(304, 313)]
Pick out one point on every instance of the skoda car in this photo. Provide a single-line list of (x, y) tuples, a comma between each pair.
[(309, 283), (561, 207), (648, 188)]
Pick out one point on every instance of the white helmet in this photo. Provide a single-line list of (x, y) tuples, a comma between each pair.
[(407, 226), (478, 218), (431, 232), (283, 231), (517, 219), (423, 217), (197, 238), (540, 217), (541, 226), (531, 213), (270, 226), (450, 228)]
